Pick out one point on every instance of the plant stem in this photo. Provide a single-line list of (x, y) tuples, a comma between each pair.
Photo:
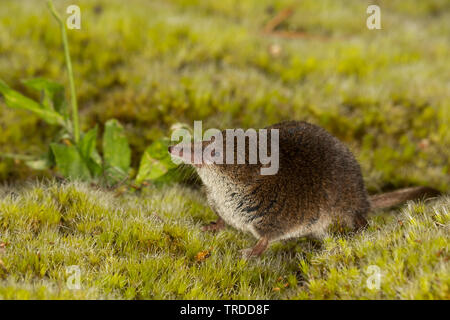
[(75, 120)]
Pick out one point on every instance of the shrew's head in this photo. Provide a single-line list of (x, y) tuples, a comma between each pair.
[(219, 156)]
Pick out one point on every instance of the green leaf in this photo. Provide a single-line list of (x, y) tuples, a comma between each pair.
[(70, 162), (16, 100), (155, 162), (17, 156), (45, 161), (40, 164), (88, 145), (116, 151), (88, 150), (52, 94), (40, 84)]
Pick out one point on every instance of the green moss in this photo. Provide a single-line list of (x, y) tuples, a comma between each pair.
[(147, 247), (382, 92)]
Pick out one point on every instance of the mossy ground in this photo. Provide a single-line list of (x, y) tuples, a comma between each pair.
[(150, 247), (153, 63), (385, 93)]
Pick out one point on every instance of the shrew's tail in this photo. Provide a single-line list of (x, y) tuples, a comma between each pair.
[(394, 198)]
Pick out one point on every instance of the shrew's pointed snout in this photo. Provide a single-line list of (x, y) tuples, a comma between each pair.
[(176, 151), (183, 152)]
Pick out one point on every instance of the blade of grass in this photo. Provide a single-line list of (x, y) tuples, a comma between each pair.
[(75, 121)]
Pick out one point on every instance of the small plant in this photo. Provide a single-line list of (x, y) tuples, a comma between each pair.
[(74, 153)]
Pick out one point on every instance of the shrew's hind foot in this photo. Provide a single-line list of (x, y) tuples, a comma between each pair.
[(215, 226), (257, 250)]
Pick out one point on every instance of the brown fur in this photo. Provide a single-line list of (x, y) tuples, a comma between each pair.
[(319, 183), (397, 197)]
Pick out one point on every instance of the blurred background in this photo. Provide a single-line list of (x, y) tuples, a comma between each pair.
[(244, 63)]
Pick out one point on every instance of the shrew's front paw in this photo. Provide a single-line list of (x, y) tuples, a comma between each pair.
[(214, 226), (247, 253)]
